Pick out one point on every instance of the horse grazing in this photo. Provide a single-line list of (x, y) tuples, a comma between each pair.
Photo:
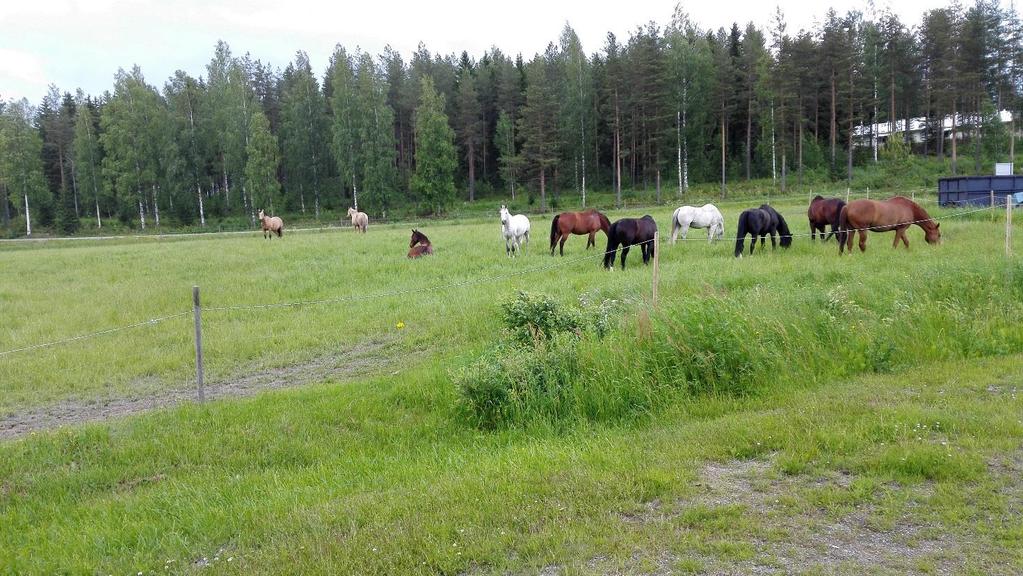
[(759, 222), (271, 225), (419, 245), (706, 216), (515, 229), (585, 222), (628, 232), (824, 211), (359, 219), (896, 214)]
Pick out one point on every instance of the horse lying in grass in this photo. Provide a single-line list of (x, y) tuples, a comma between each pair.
[(706, 216), (360, 220), (761, 222), (627, 233), (896, 213), (585, 222), (515, 230), (824, 211), (271, 225), (419, 245)]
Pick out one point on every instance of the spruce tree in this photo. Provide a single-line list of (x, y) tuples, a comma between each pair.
[(434, 176)]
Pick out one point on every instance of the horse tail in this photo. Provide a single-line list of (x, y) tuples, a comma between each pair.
[(554, 230), (674, 221), (786, 234), (612, 247), (843, 226), (741, 227)]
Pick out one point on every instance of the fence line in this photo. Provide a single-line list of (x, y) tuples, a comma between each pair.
[(355, 298), (150, 322)]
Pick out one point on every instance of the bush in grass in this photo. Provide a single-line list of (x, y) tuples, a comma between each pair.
[(535, 318), (511, 385)]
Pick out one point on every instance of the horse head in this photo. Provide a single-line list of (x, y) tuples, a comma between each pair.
[(351, 211), (261, 214), (933, 235), (505, 216)]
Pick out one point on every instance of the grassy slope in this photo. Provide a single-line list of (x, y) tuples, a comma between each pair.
[(377, 477)]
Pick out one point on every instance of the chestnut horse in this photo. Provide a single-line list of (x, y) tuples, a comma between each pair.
[(824, 211), (271, 225), (896, 214), (585, 222), (419, 245)]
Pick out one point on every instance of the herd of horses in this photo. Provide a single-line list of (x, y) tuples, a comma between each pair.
[(846, 219)]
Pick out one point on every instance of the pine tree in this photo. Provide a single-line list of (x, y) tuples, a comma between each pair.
[(537, 125), (508, 158), (303, 133), (469, 122), (434, 176)]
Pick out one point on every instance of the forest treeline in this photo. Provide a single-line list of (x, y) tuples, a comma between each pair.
[(665, 107)]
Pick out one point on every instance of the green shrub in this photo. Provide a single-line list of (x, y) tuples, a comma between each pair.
[(532, 319)]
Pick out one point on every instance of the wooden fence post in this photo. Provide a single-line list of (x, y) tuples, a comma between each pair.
[(847, 195), (197, 308), (1008, 226), (657, 266)]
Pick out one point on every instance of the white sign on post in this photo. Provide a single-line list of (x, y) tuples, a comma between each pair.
[(1003, 169)]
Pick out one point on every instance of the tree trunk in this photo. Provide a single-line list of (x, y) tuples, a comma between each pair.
[(142, 213), (74, 187), (202, 213), (543, 191), (658, 185), (156, 207), (834, 122), (678, 126), (28, 218), (7, 205), (954, 155), (722, 150), (774, 152), (618, 154), (799, 159), (472, 171), (749, 132)]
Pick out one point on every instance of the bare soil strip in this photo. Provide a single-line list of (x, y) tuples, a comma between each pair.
[(362, 360)]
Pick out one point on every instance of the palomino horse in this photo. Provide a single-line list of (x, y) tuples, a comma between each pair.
[(271, 225), (896, 214), (824, 211), (628, 232), (706, 216), (585, 222), (759, 222), (515, 230), (359, 219), (419, 245)]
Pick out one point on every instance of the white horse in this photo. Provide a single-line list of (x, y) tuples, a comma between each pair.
[(514, 228), (359, 220), (706, 216)]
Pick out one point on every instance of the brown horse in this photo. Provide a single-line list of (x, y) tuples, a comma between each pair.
[(585, 222), (419, 245), (824, 211), (896, 214), (270, 225)]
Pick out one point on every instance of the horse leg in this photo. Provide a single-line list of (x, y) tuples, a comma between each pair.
[(813, 231), (685, 230), (562, 244), (592, 240), (507, 248), (625, 252), (863, 241), (774, 243)]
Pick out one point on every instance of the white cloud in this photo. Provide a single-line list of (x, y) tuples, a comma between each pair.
[(22, 75)]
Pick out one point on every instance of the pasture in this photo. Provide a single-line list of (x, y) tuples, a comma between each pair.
[(836, 414)]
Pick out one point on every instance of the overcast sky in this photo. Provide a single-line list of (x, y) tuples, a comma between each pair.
[(82, 43)]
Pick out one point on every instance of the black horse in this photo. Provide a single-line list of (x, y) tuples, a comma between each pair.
[(628, 232), (761, 222)]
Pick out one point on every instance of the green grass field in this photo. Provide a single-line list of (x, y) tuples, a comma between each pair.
[(793, 412)]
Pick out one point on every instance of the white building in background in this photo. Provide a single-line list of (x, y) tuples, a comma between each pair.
[(863, 134)]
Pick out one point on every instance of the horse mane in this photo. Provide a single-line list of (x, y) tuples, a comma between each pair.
[(783, 230), (605, 223), (742, 227), (817, 197)]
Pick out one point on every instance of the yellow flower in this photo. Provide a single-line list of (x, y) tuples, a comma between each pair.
[(399, 325)]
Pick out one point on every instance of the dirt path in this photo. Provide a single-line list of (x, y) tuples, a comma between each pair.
[(362, 360)]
